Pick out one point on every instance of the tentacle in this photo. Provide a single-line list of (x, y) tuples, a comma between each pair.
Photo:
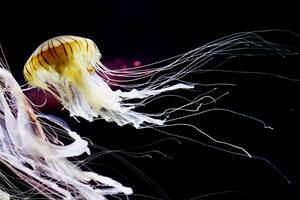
[(28, 151)]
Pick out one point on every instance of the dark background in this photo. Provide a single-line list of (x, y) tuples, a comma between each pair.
[(152, 30)]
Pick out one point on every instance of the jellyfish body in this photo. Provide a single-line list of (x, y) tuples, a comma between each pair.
[(70, 67), (64, 62), (29, 147)]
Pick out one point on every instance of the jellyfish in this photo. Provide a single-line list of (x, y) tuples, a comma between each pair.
[(69, 67), (30, 148)]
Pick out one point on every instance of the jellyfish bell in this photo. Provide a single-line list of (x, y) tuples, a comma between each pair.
[(66, 55), (64, 62)]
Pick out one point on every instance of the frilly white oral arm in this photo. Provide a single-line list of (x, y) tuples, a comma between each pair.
[(26, 149)]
